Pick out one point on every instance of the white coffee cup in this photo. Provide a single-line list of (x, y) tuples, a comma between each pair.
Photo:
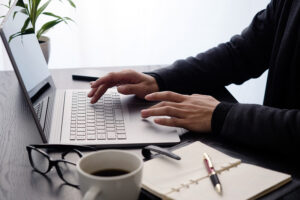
[(125, 187)]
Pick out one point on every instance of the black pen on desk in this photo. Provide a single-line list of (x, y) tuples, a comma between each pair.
[(212, 173), (84, 78)]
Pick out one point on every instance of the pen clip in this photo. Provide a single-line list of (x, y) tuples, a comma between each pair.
[(146, 152)]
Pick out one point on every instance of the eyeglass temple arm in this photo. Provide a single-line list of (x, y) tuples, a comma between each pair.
[(71, 150), (61, 147)]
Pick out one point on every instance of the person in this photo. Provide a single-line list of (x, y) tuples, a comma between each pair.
[(271, 41)]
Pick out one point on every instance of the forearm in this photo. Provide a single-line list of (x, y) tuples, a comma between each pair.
[(259, 126)]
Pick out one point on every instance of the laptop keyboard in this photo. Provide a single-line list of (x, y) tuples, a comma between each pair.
[(38, 109), (100, 121)]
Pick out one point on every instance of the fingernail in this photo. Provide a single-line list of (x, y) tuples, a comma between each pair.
[(121, 88), (148, 96), (143, 113)]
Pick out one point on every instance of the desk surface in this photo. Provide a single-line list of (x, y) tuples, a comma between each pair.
[(17, 129)]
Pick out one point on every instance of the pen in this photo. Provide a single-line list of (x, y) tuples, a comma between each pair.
[(212, 173), (84, 77)]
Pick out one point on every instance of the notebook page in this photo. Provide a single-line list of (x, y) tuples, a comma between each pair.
[(242, 182), (163, 175)]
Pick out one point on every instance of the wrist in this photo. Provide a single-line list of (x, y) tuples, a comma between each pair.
[(219, 116), (158, 81), (154, 85)]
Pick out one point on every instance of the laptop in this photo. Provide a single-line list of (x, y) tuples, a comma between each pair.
[(66, 116)]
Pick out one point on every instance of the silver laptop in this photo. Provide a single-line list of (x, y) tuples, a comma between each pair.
[(66, 116)]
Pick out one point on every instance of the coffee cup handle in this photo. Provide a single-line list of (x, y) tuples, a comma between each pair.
[(92, 193)]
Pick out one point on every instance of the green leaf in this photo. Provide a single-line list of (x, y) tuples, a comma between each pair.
[(20, 3), (42, 8), (7, 6), (65, 19), (20, 11), (52, 15), (26, 23), (14, 15), (69, 19), (47, 26), (26, 32), (24, 11), (72, 3)]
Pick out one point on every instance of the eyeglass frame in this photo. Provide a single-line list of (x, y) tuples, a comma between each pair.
[(54, 163)]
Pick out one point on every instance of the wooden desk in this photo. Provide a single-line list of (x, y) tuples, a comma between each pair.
[(17, 129)]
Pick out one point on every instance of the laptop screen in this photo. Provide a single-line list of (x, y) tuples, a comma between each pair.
[(26, 52), (30, 66)]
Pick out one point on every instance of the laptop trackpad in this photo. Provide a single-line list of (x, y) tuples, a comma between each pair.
[(134, 106)]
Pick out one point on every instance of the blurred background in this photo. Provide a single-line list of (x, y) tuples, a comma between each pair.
[(146, 32)]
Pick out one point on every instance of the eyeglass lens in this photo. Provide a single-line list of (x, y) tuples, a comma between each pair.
[(39, 161), (68, 172)]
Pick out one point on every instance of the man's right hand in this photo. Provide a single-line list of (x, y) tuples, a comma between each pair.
[(127, 82)]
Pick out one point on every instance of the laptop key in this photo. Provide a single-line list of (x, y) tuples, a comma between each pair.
[(91, 137), (80, 129), (80, 137), (73, 132), (121, 132), (111, 135), (81, 133), (110, 122), (72, 137), (110, 129), (101, 136), (90, 124), (101, 131), (91, 132), (121, 136)]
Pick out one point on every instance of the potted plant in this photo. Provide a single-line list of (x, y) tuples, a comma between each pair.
[(34, 9)]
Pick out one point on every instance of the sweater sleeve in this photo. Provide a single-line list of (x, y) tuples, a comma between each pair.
[(262, 127), (245, 56)]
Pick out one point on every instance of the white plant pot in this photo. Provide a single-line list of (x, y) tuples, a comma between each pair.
[(45, 46)]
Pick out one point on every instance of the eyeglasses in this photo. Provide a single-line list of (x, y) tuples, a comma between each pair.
[(65, 167)]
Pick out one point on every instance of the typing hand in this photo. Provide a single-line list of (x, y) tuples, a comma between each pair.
[(192, 112), (128, 82)]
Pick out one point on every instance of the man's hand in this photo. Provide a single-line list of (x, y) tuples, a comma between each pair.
[(192, 112), (128, 82)]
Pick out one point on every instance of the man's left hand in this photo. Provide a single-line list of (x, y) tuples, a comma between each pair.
[(192, 112)]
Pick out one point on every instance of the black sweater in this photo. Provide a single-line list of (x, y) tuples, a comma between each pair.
[(272, 41)]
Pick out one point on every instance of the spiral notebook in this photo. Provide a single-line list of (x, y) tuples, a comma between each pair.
[(188, 179)]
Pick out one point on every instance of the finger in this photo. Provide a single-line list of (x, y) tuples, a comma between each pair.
[(173, 122), (129, 89), (166, 103), (92, 92), (165, 96), (98, 94), (116, 78), (163, 111)]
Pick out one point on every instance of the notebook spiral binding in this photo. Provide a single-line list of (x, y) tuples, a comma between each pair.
[(195, 181)]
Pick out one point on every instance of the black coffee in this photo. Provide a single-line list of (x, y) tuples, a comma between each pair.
[(110, 172)]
